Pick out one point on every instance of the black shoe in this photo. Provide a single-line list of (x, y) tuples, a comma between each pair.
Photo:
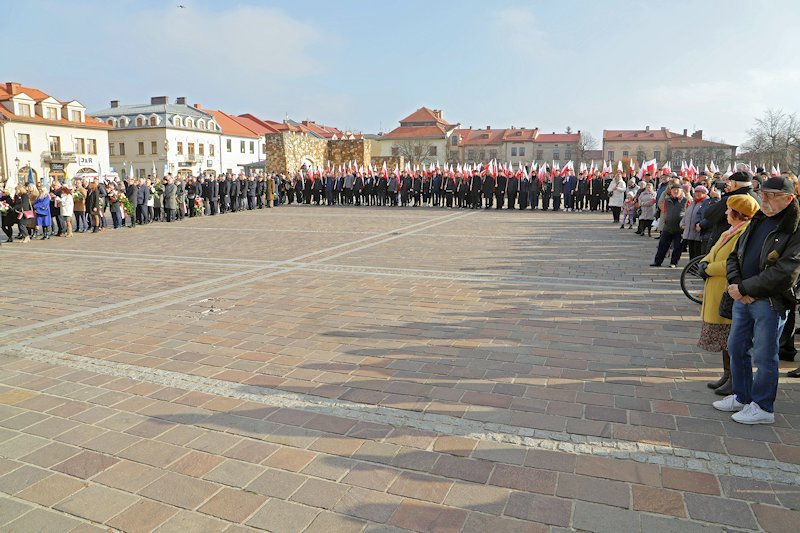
[(794, 373), (726, 389), (720, 382), (654, 265), (786, 356)]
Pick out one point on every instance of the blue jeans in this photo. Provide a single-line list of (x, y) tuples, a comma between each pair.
[(759, 327), (667, 238)]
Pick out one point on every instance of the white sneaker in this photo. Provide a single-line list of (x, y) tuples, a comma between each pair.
[(728, 404), (753, 414)]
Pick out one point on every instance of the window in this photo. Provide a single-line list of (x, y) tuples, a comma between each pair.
[(201, 149), (23, 142), (154, 121), (228, 144), (556, 155), (180, 148), (471, 155), (121, 148), (513, 151), (55, 144), (24, 110), (139, 121), (210, 150), (141, 148), (482, 155), (123, 121), (625, 153), (539, 155), (201, 124), (75, 116), (454, 140), (657, 155), (241, 146), (111, 149), (189, 123), (190, 150), (567, 154), (431, 151), (52, 113), (492, 154), (80, 146), (110, 122), (212, 126), (395, 151), (252, 147), (521, 151), (177, 121), (91, 146), (640, 155), (153, 147), (611, 155)]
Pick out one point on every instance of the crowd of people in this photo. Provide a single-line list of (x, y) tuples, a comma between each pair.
[(743, 225)]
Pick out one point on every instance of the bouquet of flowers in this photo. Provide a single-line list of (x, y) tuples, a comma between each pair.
[(77, 196), (4, 207), (198, 206), (126, 204), (113, 197), (157, 190)]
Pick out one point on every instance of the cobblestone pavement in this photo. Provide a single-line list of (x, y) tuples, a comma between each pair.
[(341, 369)]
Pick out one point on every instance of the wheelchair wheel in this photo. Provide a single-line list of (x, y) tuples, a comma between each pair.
[(692, 284)]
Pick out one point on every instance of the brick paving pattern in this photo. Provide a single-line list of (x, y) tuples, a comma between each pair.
[(371, 370)]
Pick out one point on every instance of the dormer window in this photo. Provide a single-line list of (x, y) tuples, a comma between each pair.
[(123, 121), (201, 124), (189, 123), (154, 120), (51, 113), (139, 122), (110, 122), (75, 115), (178, 122), (212, 126), (24, 110)]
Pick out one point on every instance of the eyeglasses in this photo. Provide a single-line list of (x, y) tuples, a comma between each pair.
[(773, 195)]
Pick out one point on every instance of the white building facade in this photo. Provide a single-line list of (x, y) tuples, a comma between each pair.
[(51, 137), (160, 138)]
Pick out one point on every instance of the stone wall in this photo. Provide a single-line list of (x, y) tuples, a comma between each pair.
[(341, 151), (286, 152)]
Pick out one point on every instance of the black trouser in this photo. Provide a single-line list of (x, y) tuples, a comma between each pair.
[(512, 200), (500, 196), (695, 248), (523, 200), (534, 199), (615, 213), (580, 201), (9, 231), (645, 225), (594, 202), (141, 214), (786, 349), (169, 213), (545, 202), (115, 221), (667, 238), (489, 200), (436, 196), (556, 202), (448, 198), (568, 199)]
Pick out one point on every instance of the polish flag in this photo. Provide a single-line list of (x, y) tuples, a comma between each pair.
[(774, 172), (631, 167), (650, 166), (567, 168), (691, 171), (619, 166), (666, 169), (396, 172), (384, 170), (728, 172), (542, 172)]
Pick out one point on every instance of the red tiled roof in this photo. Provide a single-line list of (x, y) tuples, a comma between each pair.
[(678, 140), (412, 132), (321, 130), (558, 137), (424, 115), (661, 134), (228, 125), (255, 124), (471, 137), (7, 90)]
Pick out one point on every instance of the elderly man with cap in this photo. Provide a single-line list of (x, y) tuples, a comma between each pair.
[(714, 218), (762, 271), (693, 215)]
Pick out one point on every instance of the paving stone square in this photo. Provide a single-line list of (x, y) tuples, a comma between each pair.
[(372, 369)]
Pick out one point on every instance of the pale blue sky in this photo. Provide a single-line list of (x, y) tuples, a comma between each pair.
[(709, 64)]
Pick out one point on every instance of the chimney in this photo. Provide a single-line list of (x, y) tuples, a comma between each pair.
[(647, 128), (438, 113), (488, 127), (155, 100), (181, 100), (685, 132), (197, 106), (114, 103), (698, 134), (12, 87)]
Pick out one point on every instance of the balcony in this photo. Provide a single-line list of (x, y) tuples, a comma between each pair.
[(59, 157)]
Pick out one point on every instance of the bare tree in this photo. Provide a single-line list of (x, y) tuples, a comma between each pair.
[(416, 150), (585, 143), (775, 139)]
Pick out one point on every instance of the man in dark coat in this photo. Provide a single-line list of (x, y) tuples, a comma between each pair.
[(714, 218), (558, 188), (214, 195), (488, 190), (500, 189), (475, 189), (524, 189), (132, 192), (511, 188), (595, 191), (358, 188), (436, 188), (569, 184)]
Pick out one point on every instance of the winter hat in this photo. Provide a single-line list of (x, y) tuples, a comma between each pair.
[(744, 204), (701, 189)]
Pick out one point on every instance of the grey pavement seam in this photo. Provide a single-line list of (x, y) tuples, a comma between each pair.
[(663, 455)]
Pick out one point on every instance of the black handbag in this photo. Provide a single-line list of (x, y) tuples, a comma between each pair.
[(726, 306)]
